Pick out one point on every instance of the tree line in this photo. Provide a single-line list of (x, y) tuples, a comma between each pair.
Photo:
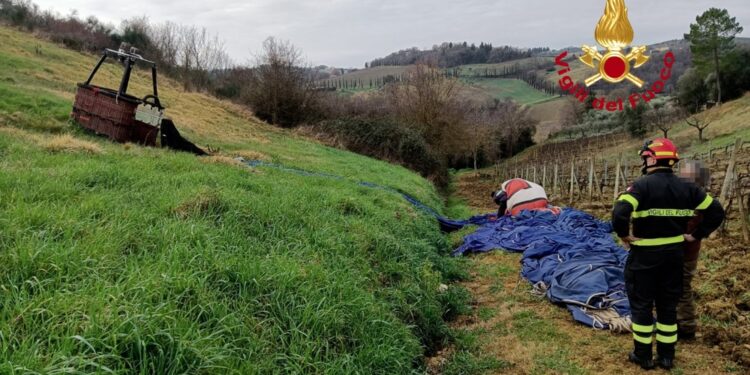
[(449, 55), (187, 53)]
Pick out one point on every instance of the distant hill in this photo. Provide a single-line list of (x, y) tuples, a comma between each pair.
[(530, 80), (449, 55)]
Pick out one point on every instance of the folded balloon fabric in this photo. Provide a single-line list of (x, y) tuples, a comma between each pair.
[(572, 257)]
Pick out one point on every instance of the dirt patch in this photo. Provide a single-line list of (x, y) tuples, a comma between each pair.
[(250, 155), (67, 143), (218, 159), (724, 299)]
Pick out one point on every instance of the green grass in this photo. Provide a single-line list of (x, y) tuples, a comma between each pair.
[(468, 359), (557, 362), (515, 89), (528, 326), (465, 363), (139, 260)]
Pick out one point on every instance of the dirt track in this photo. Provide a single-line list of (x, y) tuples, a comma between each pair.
[(534, 336)]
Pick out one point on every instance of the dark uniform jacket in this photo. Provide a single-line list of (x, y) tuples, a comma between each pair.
[(661, 205)]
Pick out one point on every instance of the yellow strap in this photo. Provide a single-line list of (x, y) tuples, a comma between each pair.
[(664, 212), (642, 328), (659, 241), (643, 340), (666, 328), (706, 202), (666, 339), (630, 199)]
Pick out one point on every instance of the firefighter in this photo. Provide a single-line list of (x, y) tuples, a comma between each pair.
[(660, 205), (518, 195)]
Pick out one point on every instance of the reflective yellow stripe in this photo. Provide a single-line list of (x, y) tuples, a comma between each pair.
[(666, 153), (706, 202), (659, 241), (643, 329), (664, 212), (666, 328), (665, 339), (643, 340), (630, 199)]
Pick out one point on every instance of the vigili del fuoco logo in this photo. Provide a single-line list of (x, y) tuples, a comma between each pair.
[(615, 34)]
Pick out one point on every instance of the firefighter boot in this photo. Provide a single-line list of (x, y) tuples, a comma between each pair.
[(665, 355), (642, 356)]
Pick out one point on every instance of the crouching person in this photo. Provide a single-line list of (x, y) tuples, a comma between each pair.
[(519, 195)]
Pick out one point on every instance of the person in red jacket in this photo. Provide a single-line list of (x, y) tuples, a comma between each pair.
[(518, 195), (687, 322)]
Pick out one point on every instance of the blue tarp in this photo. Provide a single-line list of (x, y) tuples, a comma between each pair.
[(572, 256)]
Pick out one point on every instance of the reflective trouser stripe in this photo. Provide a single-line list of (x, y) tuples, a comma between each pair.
[(666, 333), (643, 329), (643, 340), (660, 241), (671, 339), (630, 199), (643, 334), (666, 328), (706, 202)]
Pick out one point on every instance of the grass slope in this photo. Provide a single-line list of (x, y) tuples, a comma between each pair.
[(515, 89), (134, 260)]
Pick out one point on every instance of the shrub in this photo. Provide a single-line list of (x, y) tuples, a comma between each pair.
[(388, 140)]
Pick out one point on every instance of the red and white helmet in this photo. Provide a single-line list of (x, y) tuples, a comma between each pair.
[(660, 149)]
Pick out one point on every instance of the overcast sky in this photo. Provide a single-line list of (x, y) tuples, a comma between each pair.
[(346, 33)]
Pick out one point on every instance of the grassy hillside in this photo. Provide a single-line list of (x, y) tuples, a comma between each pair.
[(728, 122), (548, 115), (514, 89), (136, 260)]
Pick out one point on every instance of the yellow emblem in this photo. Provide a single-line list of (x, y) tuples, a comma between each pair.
[(615, 33)]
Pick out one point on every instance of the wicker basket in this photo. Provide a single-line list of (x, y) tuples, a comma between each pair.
[(102, 111)]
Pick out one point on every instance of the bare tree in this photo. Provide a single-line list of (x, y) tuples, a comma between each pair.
[(699, 124), (167, 39), (479, 124), (199, 54), (281, 90), (428, 100), (664, 117), (571, 115), (514, 128)]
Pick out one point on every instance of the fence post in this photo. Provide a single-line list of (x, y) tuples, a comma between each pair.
[(572, 177), (591, 179), (617, 177), (730, 173), (535, 180), (605, 180), (554, 189), (743, 215), (544, 175)]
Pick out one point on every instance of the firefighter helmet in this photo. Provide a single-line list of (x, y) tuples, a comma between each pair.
[(660, 149)]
